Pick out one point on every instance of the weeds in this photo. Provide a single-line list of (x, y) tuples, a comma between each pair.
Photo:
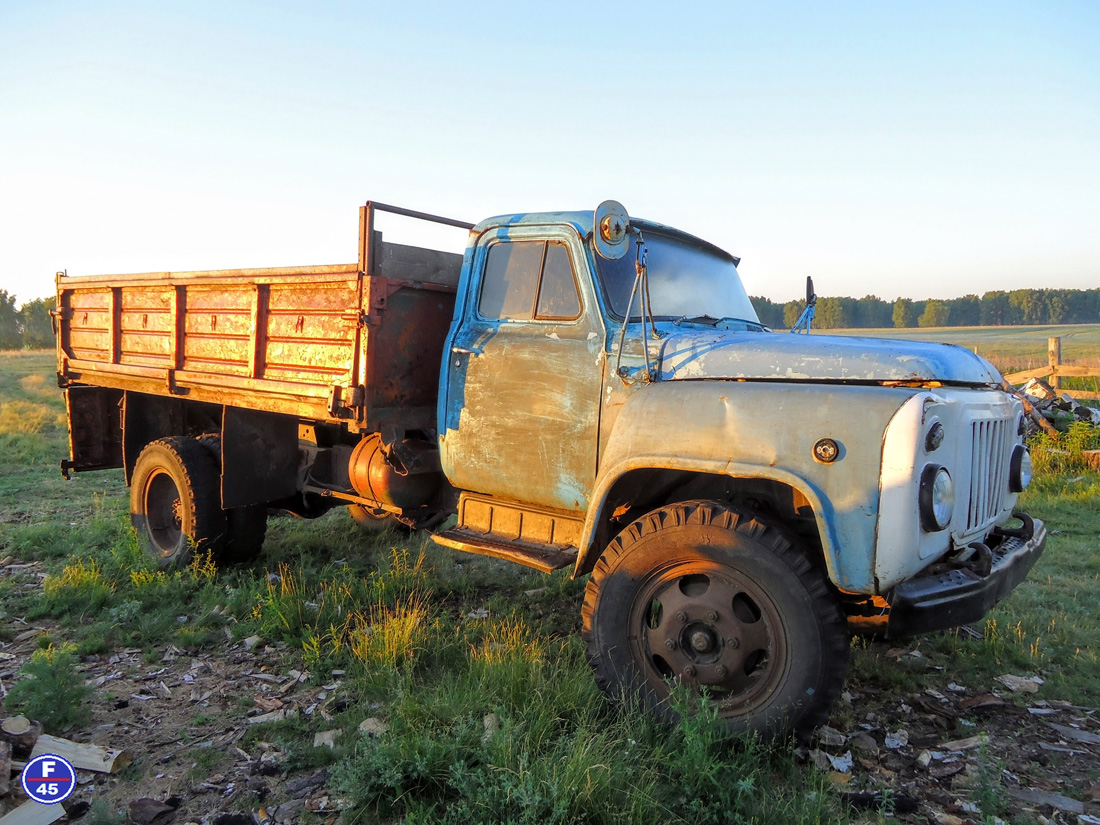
[(50, 690), (987, 792), (1064, 454)]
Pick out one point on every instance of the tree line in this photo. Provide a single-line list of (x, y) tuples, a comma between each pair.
[(997, 308), (29, 326)]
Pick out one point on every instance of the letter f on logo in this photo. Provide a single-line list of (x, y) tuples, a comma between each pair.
[(47, 767)]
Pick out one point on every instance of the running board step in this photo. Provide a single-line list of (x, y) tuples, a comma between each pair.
[(544, 557)]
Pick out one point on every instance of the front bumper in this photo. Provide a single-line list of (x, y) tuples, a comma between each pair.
[(951, 598)]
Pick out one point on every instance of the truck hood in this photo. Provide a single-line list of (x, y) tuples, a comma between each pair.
[(697, 354)]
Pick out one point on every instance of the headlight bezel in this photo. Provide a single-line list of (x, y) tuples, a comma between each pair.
[(1020, 469), (936, 498)]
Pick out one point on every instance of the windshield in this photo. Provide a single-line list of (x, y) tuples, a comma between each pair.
[(686, 280)]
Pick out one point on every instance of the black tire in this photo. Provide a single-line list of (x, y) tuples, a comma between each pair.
[(706, 594), (175, 503), (245, 527)]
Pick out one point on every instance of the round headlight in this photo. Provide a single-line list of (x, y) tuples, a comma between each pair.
[(937, 498), (1020, 470)]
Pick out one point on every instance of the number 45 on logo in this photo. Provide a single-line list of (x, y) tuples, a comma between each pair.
[(49, 779)]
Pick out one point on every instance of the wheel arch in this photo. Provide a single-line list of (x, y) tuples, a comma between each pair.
[(646, 483)]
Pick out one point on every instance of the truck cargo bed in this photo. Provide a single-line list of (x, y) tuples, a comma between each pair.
[(329, 343)]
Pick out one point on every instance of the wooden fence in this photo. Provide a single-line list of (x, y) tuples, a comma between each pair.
[(1055, 371)]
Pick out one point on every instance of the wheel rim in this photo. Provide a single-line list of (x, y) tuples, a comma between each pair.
[(714, 629), (164, 511)]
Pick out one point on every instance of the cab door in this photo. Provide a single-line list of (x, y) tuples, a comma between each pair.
[(525, 371)]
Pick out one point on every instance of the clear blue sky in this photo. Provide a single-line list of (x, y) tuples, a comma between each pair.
[(919, 149)]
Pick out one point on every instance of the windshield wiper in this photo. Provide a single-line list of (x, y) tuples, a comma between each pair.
[(711, 321)]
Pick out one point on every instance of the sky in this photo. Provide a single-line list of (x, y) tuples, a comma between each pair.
[(921, 150)]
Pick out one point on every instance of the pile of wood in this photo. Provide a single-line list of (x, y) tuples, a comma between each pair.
[(21, 740), (1047, 408)]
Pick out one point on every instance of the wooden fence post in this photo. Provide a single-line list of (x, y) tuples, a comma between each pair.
[(1054, 359)]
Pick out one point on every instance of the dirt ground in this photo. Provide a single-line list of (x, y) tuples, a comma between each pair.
[(941, 756)]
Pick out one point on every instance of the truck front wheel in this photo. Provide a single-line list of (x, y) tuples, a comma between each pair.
[(705, 595), (174, 501)]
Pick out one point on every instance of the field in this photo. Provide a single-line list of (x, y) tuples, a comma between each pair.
[(394, 681), (1010, 349)]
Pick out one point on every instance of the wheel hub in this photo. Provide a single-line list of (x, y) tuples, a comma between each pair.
[(702, 639), (165, 509), (713, 629)]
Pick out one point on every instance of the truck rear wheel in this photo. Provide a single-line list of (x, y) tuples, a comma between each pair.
[(706, 595), (174, 501)]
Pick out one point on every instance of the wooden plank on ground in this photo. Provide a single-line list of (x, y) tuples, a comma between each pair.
[(33, 813), (82, 757)]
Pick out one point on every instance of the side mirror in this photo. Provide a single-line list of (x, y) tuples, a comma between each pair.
[(611, 224)]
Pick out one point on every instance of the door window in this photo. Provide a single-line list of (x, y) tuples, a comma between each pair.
[(529, 280)]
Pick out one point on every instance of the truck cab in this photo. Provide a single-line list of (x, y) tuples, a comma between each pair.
[(599, 407)]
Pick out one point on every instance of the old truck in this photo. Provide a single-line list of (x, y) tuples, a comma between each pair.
[(579, 389)]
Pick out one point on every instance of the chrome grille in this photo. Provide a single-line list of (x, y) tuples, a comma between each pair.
[(988, 470)]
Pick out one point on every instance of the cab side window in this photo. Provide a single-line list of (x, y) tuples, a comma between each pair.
[(529, 280)]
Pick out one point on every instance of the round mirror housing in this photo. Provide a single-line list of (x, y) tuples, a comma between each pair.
[(611, 225)]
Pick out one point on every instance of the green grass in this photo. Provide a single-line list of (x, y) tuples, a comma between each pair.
[(494, 718)]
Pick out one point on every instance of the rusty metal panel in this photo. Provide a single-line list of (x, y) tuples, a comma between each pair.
[(311, 332), (146, 326), (95, 429), (403, 344), (217, 328), (89, 323), (514, 521)]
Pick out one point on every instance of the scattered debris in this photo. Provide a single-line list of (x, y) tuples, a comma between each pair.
[(274, 716), (1043, 403), (21, 733), (897, 739), (81, 756), (831, 738), (1057, 801), (1075, 734), (373, 726), (326, 738), (962, 744), (148, 811), (33, 813), (1020, 684), (827, 762)]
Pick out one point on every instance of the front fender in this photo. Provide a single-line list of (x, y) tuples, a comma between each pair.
[(763, 430)]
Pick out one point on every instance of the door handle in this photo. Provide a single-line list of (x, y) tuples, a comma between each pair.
[(466, 351)]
